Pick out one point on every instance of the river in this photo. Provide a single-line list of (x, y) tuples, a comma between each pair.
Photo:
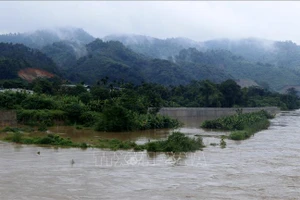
[(265, 166)]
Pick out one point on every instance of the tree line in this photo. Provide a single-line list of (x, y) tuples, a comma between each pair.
[(120, 106)]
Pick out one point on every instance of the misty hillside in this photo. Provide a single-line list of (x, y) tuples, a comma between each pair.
[(282, 54), (65, 53), (154, 47), (17, 60), (138, 58), (114, 60), (41, 38), (241, 68)]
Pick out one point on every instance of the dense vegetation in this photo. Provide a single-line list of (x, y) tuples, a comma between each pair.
[(113, 59), (239, 68), (64, 53), (117, 106), (105, 108), (140, 97), (243, 125), (79, 57), (273, 62)]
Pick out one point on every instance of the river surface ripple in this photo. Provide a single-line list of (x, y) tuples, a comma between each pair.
[(265, 166)]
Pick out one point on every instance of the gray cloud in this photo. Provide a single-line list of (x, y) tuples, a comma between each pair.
[(198, 20)]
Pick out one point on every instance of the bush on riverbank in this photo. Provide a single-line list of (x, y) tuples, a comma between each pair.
[(242, 125), (40, 117), (115, 144), (176, 142)]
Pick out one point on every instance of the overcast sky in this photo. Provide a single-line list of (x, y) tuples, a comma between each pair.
[(198, 20)]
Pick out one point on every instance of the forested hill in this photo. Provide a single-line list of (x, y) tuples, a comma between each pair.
[(17, 57), (65, 53), (264, 74), (79, 57), (114, 60), (284, 54), (40, 38)]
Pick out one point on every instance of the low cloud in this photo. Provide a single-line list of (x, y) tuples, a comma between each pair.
[(198, 20)]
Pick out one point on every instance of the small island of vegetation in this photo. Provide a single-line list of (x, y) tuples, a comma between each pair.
[(242, 125)]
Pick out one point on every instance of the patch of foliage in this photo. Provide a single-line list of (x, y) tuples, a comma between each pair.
[(242, 125), (115, 144), (176, 142), (40, 117)]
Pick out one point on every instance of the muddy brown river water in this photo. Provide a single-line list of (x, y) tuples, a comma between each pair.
[(266, 166)]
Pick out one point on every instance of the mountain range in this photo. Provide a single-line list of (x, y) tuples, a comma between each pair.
[(75, 55)]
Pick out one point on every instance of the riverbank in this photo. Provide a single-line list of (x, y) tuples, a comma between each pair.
[(176, 142)]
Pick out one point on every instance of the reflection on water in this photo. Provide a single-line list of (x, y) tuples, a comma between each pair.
[(194, 122), (79, 135), (265, 166)]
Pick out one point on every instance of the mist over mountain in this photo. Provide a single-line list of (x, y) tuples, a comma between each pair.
[(65, 53), (41, 38), (114, 60), (64, 45), (241, 68), (138, 58), (284, 54), (154, 47)]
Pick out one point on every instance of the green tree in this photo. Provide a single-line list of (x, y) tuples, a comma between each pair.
[(231, 92)]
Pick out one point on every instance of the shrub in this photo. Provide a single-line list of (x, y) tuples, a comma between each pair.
[(17, 137), (117, 118), (40, 117), (176, 142), (38, 102), (115, 144), (54, 139), (89, 118)]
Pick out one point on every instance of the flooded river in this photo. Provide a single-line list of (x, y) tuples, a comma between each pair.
[(265, 166)]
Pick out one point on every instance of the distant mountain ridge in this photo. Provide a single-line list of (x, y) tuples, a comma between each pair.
[(41, 38), (240, 68), (154, 47), (114, 60), (137, 58), (284, 54)]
